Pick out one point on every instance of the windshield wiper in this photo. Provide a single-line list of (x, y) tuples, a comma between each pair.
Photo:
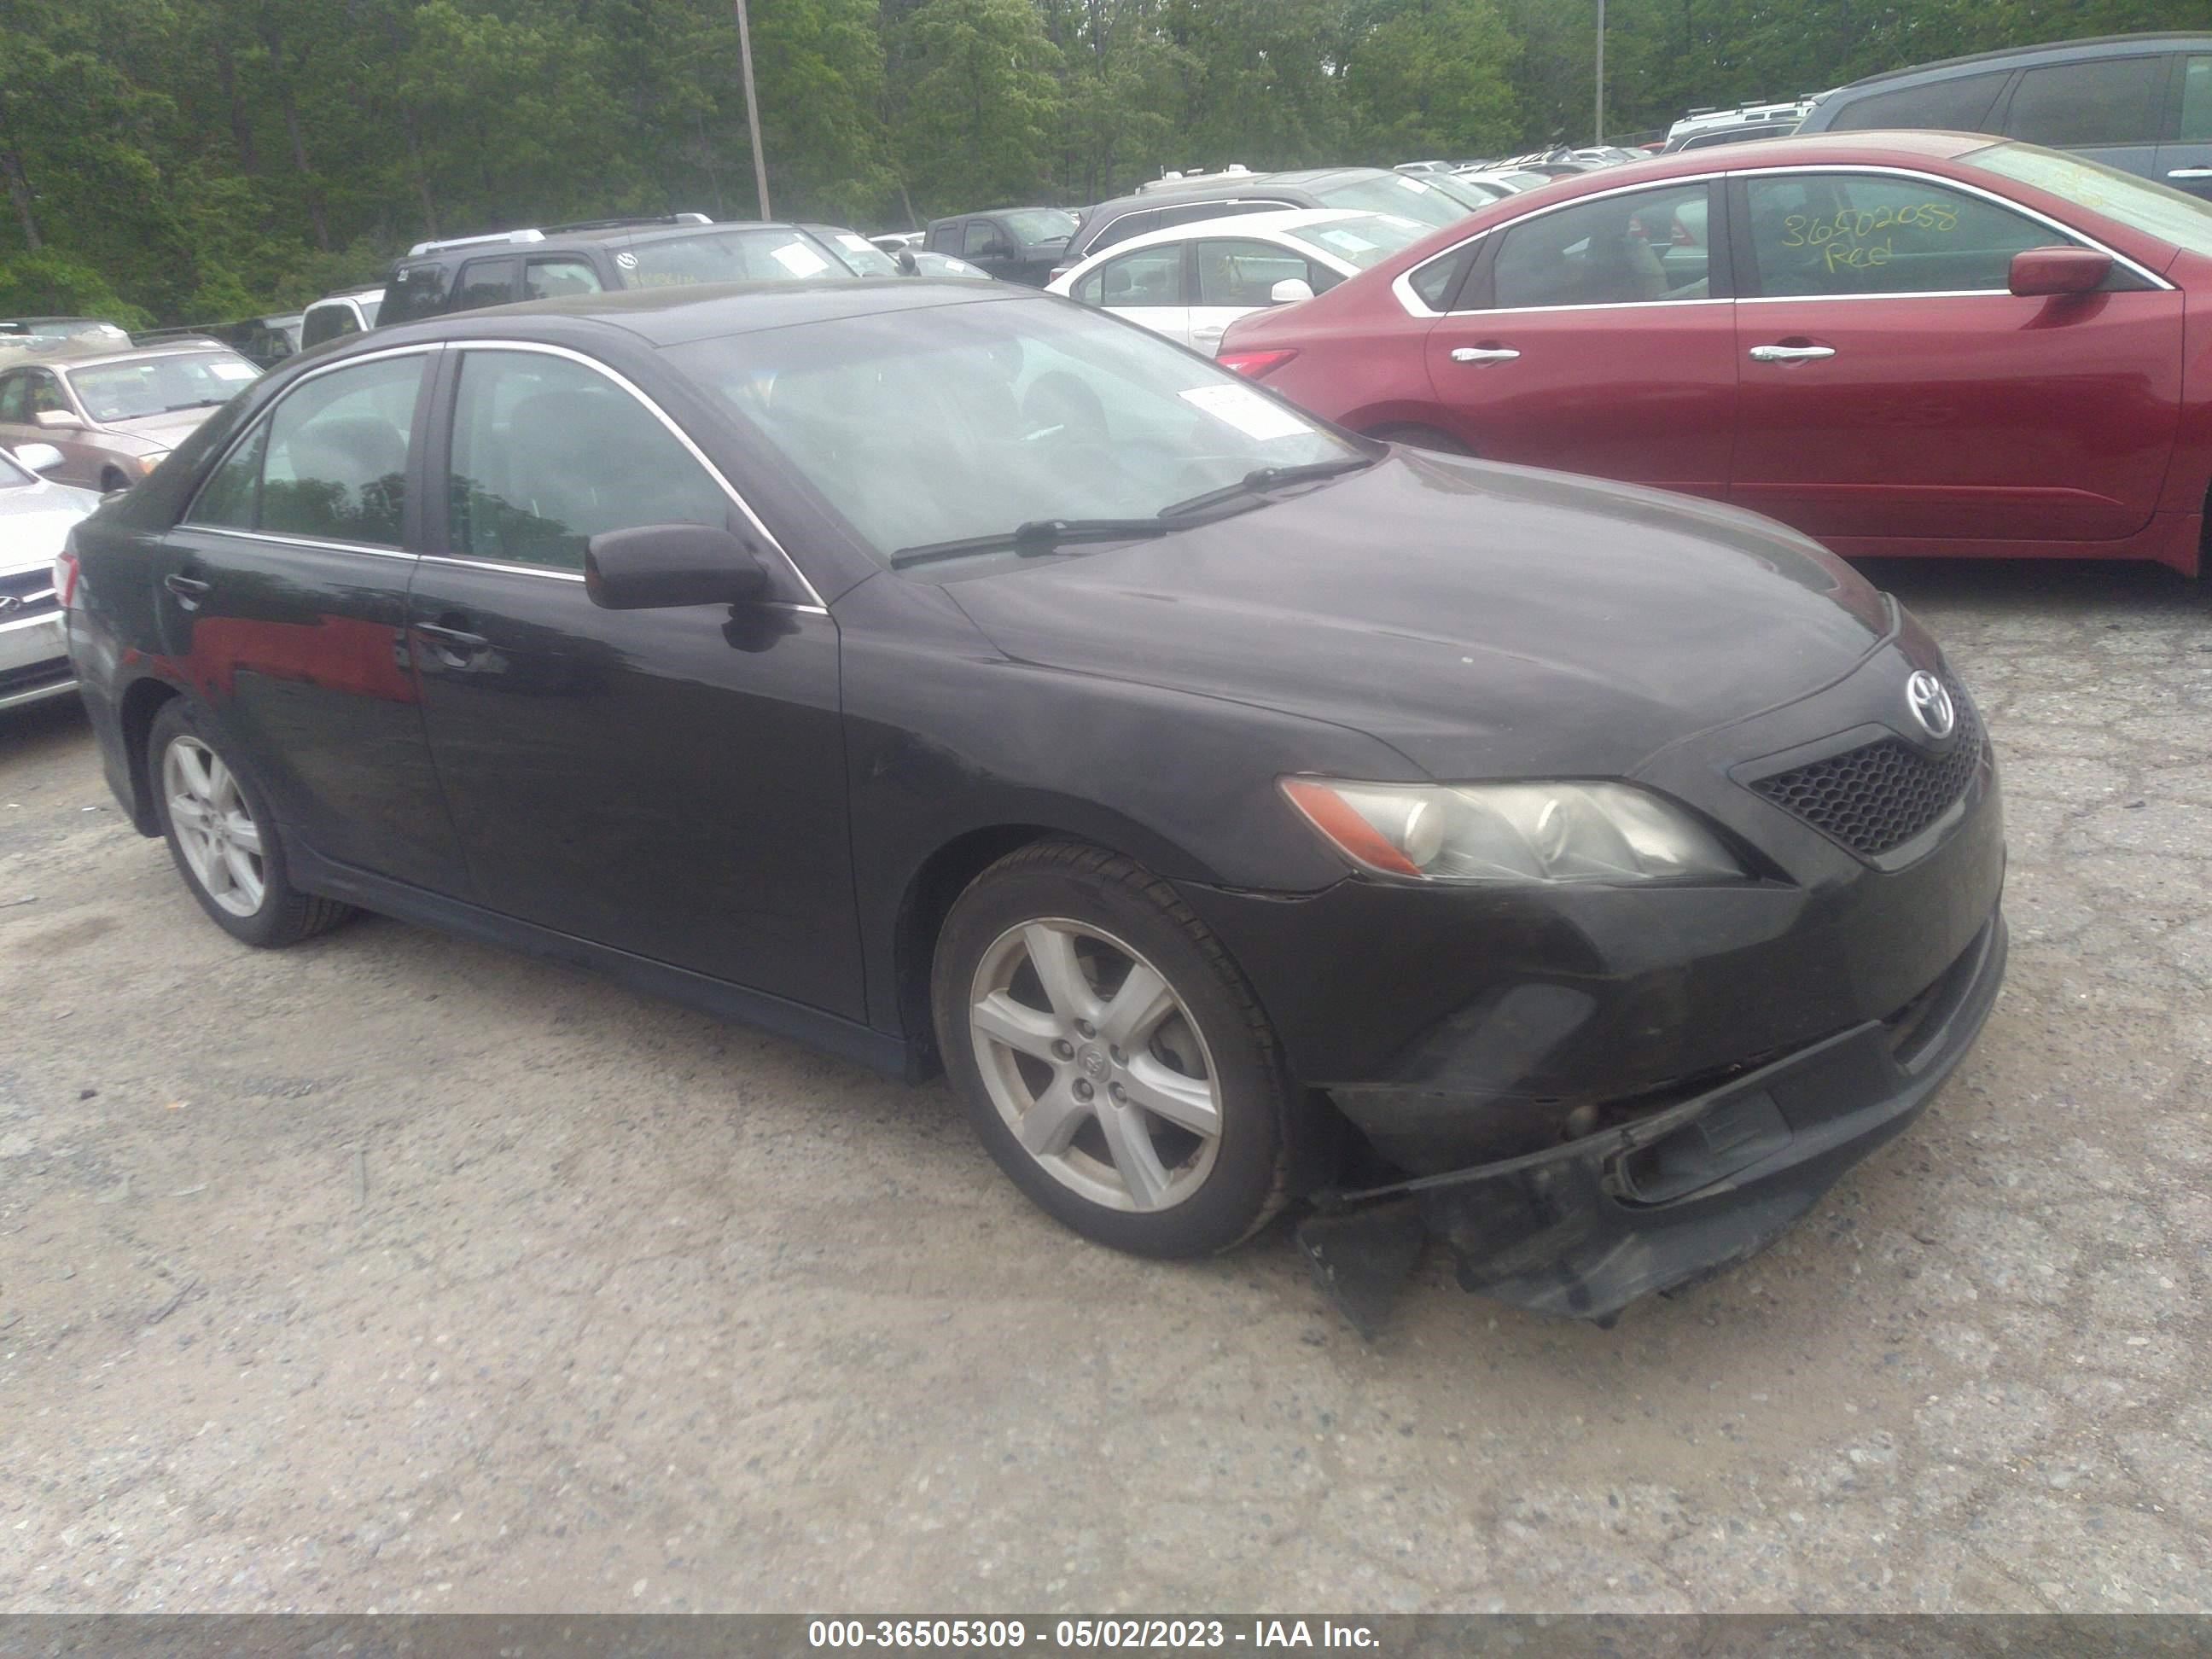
[(196, 403), (1040, 536), (1271, 478)]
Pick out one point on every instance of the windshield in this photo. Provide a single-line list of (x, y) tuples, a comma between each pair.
[(764, 254), (1360, 239), (1398, 192), (2154, 210), (935, 425), (160, 385), (13, 475), (1031, 226)]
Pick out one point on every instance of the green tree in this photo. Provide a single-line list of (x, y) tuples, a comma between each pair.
[(979, 104)]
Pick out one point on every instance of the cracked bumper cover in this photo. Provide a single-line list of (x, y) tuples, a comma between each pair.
[(1587, 1227)]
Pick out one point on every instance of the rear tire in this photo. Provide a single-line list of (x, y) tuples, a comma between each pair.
[(223, 837), (1173, 1140)]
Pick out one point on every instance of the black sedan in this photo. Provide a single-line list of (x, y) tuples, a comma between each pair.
[(947, 675)]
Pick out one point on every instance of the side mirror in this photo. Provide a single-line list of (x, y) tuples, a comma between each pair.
[(658, 566), (2040, 270), (59, 420), (1290, 291), (908, 265), (39, 458)]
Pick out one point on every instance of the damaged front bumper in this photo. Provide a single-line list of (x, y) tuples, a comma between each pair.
[(1587, 1227)]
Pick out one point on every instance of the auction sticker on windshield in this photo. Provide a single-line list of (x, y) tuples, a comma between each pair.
[(1254, 416)]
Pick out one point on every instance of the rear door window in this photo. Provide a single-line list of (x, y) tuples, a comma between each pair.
[(1959, 104), (329, 463), (1150, 276), (2099, 101), (1244, 274), (2197, 102), (486, 283), (1818, 234), (1629, 249), (328, 320)]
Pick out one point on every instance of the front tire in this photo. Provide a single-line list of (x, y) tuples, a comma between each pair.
[(1110, 1056), (223, 837)]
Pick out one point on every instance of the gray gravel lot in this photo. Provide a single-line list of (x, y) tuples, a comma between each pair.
[(392, 1272)]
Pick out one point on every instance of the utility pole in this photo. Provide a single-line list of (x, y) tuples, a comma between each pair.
[(1597, 137), (752, 107)]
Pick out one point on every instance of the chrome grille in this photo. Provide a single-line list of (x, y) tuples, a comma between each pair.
[(27, 593), (1879, 796)]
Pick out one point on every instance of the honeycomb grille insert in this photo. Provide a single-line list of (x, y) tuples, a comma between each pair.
[(1879, 796)]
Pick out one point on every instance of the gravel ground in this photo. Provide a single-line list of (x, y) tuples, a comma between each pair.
[(391, 1272)]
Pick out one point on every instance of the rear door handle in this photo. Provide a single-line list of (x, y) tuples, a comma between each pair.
[(1790, 354), (189, 590), (1484, 354), (2191, 173)]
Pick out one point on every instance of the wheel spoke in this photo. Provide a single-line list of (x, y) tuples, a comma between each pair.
[(245, 877), (1051, 1123), (1028, 1030), (1142, 1003), (187, 813), (192, 766), (213, 870), (1186, 1102), (244, 832), (220, 790), (1135, 1158), (1052, 953)]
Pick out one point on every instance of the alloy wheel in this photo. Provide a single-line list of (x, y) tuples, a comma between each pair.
[(1096, 1064), (215, 830)]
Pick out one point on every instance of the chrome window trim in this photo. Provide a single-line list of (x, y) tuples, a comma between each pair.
[(675, 431), (319, 544), (1415, 306), (550, 573), (185, 519)]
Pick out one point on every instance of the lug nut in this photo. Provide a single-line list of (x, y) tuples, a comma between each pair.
[(1115, 1091), (1064, 1049), (1081, 1090), (1120, 1058), (1085, 1028)]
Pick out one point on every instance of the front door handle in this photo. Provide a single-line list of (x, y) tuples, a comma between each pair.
[(1207, 334), (1790, 354), (2191, 174), (189, 590), (1484, 354)]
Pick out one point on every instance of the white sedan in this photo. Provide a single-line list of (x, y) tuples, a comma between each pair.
[(35, 514), (1190, 281)]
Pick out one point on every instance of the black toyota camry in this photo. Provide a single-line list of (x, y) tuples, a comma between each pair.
[(1238, 812)]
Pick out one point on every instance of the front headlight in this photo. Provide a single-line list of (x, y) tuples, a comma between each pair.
[(1513, 832)]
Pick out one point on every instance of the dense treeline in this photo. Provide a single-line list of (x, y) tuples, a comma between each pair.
[(203, 159)]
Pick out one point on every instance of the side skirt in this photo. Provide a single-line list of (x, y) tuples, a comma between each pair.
[(845, 1038)]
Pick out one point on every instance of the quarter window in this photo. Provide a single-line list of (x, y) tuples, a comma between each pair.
[(15, 398), (1437, 281), (330, 463), (548, 453), (1619, 250), (415, 291), (2099, 101), (1827, 234)]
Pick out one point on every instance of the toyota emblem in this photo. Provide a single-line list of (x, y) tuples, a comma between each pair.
[(1924, 694)]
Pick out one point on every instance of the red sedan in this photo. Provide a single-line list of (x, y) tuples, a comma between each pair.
[(1902, 343)]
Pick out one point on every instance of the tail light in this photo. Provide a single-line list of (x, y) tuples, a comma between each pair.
[(64, 578), (1254, 365)]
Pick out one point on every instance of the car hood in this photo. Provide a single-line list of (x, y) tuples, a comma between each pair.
[(1483, 620), (166, 431), (34, 519)]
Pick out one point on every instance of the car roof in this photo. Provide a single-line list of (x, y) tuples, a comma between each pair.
[(1225, 186), (1906, 148), (673, 316), (95, 356), (2094, 46), (1241, 224)]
